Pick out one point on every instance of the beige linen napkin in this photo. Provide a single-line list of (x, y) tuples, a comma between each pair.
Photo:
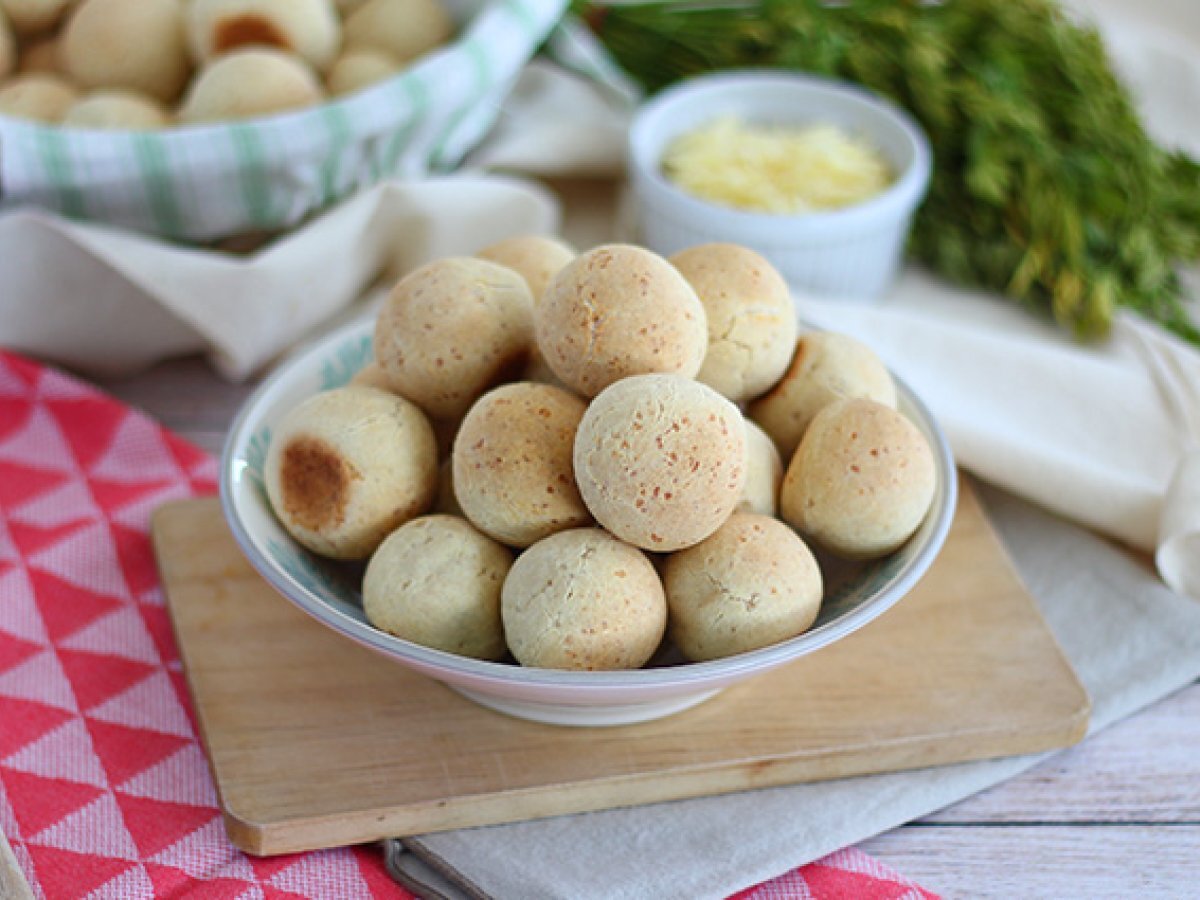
[(108, 302)]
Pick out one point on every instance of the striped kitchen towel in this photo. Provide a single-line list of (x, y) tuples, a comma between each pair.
[(206, 182)]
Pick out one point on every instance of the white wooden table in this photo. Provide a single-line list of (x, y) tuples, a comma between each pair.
[(1117, 816)]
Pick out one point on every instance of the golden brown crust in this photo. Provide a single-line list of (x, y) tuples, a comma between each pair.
[(861, 481), (582, 599), (315, 480), (661, 460), (512, 458), (753, 583), (827, 366), (616, 311), (451, 330), (751, 318)]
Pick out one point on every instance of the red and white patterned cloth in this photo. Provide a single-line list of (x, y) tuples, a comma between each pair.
[(104, 788)]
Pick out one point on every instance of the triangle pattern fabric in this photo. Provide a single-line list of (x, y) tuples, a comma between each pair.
[(68, 873), (156, 825), (20, 483), (136, 514), (180, 778), (125, 752), (14, 414), (120, 633), (38, 803), (149, 706), (87, 558), (66, 752), (14, 651), (26, 722), (95, 677), (88, 423), (97, 828), (206, 852), (40, 444), (19, 376), (308, 873), (40, 678), (22, 618), (29, 539), (136, 454), (70, 502), (67, 608), (104, 787)]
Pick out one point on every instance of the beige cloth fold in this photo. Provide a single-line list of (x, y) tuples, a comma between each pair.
[(107, 302)]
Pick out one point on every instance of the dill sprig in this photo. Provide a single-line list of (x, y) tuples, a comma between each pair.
[(1045, 187)]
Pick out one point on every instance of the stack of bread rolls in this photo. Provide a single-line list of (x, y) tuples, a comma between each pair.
[(147, 64), (637, 454)]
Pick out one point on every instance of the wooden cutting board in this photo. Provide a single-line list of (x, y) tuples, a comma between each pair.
[(316, 742)]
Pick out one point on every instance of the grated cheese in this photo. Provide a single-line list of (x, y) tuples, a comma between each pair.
[(775, 169)]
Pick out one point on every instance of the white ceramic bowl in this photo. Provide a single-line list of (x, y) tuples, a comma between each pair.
[(329, 591), (852, 252)]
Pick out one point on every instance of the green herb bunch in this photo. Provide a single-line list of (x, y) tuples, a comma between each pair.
[(1045, 185)]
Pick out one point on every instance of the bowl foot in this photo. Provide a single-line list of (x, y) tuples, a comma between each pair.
[(590, 716)]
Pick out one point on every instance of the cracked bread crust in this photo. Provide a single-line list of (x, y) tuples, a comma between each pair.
[(751, 584), (661, 460), (582, 599), (617, 311), (751, 318)]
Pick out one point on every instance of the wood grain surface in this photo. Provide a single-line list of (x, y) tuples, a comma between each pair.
[(317, 742)]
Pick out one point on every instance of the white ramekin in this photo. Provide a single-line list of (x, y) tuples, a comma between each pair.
[(852, 252)]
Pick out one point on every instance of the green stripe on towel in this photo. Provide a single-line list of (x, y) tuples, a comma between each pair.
[(154, 168), (481, 66), (55, 156), (418, 101), (337, 124), (253, 175)]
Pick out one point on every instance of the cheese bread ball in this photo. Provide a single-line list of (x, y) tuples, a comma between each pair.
[(826, 366), (117, 109), (751, 584), (452, 329), (40, 97), (861, 481), (32, 16), (661, 460), (310, 29), (347, 467), (764, 473), (751, 318), (139, 45), (619, 310), (513, 474), (436, 581), (534, 257), (245, 84), (404, 29), (582, 599), (359, 68), (537, 259), (8, 47)]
